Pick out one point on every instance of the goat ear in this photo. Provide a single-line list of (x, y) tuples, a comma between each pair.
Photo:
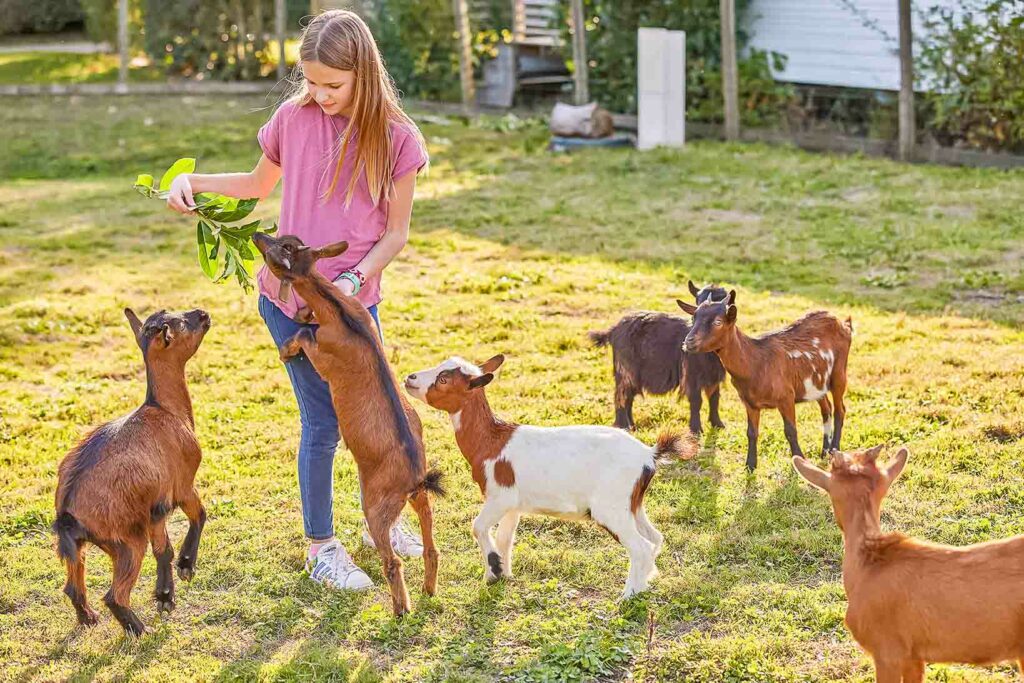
[(812, 473), (895, 468), (871, 454), (732, 297), (481, 381), (493, 363), (688, 308), (331, 250), (134, 321), (693, 288), (730, 313)]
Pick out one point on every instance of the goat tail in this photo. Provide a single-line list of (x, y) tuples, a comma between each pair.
[(70, 535), (674, 446), (600, 338), (431, 483), (848, 325)]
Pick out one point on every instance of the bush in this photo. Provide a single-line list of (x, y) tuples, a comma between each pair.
[(970, 66), (38, 16), (420, 47), (223, 39)]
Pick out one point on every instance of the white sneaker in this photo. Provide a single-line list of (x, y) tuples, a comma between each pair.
[(404, 542), (333, 567)]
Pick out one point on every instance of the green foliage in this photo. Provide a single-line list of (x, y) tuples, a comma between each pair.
[(762, 99), (224, 39), (223, 250), (38, 16), (420, 48), (970, 62)]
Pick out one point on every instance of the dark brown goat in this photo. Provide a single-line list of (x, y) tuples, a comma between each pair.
[(379, 427), (116, 488), (647, 357), (802, 362)]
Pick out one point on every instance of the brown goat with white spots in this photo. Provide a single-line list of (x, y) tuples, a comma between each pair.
[(648, 358), (116, 488), (379, 427), (801, 362), (583, 472), (912, 602)]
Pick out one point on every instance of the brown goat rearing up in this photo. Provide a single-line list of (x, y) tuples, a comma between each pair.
[(379, 427), (116, 488), (801, 362), (647, 357), (911, 602)]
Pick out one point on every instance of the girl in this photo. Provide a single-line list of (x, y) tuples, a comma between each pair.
[(349, 157)]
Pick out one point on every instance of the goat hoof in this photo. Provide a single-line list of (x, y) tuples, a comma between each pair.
[(88, 617), (492, 579), (134, 628), (718, 425), (164, 606), (186, 573)]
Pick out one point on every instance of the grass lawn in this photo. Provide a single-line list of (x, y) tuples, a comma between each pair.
[(513, 250), (23, 68)]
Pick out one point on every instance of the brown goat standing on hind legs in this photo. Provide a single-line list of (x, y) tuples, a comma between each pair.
[(912, 602), (379, 427), (801, 362), (117, 486)]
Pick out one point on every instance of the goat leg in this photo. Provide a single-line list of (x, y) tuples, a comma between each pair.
[(163, 551), (196, 513), (300, 342)]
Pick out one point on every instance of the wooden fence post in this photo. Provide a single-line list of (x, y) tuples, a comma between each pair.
[(907, 122), (280, 22), (581, 84), (122, 44), (730, 79), (461, 9)]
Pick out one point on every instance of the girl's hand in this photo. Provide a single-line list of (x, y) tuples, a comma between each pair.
[(346, 287), (179, 197)]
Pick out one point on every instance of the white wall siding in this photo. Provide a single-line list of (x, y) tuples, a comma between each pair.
[(827, 42)]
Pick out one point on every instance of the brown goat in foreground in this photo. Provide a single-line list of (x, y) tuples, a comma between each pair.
[(379, 427), (801, 362), (116, 488), (913, 602)]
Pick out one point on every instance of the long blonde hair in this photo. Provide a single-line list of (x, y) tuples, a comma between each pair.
[(341, 40)]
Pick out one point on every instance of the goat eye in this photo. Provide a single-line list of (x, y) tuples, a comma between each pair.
[(442, 380), (718, 322)]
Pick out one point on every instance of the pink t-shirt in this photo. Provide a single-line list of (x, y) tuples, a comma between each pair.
[(303, 141)]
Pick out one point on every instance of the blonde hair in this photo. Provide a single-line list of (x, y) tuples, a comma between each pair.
[(340, 39)]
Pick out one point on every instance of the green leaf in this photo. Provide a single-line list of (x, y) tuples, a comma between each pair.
[(230, 264), (202, 230), (144, 180), (186, 165), (233, 210), (270, 229)]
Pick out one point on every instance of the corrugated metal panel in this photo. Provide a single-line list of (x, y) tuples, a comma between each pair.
[(848, 43)]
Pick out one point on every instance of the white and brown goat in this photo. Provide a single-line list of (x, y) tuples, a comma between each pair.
[(577, 472), (801, 362), (911, 602)]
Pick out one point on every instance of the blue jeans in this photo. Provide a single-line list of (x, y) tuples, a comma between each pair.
[(319, 426)]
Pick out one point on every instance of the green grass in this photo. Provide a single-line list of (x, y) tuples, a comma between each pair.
[(516, 251), (24, 68)]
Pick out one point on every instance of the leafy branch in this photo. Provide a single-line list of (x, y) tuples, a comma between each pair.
[(224, 250)]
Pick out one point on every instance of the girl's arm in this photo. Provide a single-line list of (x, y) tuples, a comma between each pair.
[(396, 234), (258, 183)]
